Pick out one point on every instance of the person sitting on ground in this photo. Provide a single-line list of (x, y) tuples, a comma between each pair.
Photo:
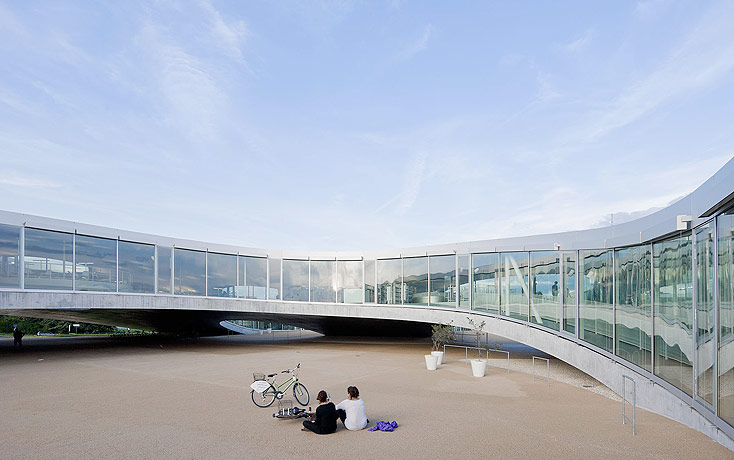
[(351, 411), (324, 420)]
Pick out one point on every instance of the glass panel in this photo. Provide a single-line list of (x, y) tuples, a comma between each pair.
[(443, 281), (96, 264), (515, 293), (634, 306), (705, 351), (674, 312), (464, 285), (369, 281), (48, 259), (569, 289), (726, 316), (323, 284), (349, 281), (295, 280), (9, 256), (137, 267), (164, 269), (596, 298), (545, 302), (253, 278), (222, 274), (274, 273), (389, 281), (486, 282), (189, 272), (415, 280)]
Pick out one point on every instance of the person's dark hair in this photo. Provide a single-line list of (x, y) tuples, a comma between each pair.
[(353, 392), (322, 397)]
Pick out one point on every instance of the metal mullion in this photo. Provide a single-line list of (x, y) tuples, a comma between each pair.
[(402, 280), (336, 278), (457, 283), (155, 269), (237, 273), (428, 301), (73, 261), (173, 254), (562, 288), (470, 279), (577, 329), (652, 308), (614, 302), (206, 272), (280, 292), (694, 306), (309, 278), (717, 319), (267, 276), (364, 290), (117, 264), (21, 257)]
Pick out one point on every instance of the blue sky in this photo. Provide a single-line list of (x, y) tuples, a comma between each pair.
[(360, 125)]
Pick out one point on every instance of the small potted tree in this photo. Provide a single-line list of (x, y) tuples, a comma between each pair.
[(478, 366), (442, 333)]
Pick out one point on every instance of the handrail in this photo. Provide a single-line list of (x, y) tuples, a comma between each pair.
[(625, 401), (547, 370)]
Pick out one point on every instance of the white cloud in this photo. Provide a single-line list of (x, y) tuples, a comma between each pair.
[(417, 45), (580, 43), (230, 35), (16, 179)]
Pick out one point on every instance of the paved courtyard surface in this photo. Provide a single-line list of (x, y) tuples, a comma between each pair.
[(160, 399)]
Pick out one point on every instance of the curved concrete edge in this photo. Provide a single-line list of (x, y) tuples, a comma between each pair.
[(653, 393)]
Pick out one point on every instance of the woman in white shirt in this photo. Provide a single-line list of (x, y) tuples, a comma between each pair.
[(351, 411)]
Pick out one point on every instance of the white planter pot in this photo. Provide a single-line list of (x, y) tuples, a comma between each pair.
[(431, 362), (478, 367), (439, 355)]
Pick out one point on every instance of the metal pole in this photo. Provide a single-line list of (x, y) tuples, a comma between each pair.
[(21, 258)]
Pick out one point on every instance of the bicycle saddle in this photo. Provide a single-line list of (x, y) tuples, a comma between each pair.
[(272, 375)]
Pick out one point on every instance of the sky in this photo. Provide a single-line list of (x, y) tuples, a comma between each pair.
[(360, 125)]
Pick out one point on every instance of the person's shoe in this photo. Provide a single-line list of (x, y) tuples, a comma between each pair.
[(303, 429)]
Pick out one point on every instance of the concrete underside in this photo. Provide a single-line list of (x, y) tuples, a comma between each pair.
[(202, 314)]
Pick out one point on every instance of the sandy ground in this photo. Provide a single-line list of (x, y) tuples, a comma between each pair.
[(156, 399)]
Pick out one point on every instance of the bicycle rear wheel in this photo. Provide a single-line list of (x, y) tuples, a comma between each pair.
[(301, 394), (265, 398)]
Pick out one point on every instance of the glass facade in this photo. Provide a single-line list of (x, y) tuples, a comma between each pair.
[(48, 259), (705, 309), (165, 272), (485, 282), (596, 309), (545, 300), (253, 278), (323, 281), (9, 256), (464, 286), (634, 305), (274, 273), (136, 267), (569, 292), (725, 231), (369, 281), (189, 267), (349, 281), (389, 281), (673, 313), (415, 280), (515, 295), (295, 280), (96, 264), (221, 272), (443, 281)]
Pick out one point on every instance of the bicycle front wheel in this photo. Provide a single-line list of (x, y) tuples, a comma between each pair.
[(265, 398), (301, 394)]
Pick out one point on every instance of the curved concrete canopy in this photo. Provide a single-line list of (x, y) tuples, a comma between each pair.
[(202, 314)]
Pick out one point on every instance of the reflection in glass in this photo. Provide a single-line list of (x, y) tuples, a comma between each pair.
[(189, 268), (164, 269), (725, 229), (485, 282), (596, 298), (634, 305), (9, 256), (253, 274), (443, 281), (515, 293), (705, 308), (323, 284), (274, 274), (295, 280), (464, 286), (389, 281), (415, 280), (545, 301), (569, 289), (48, 259), (369, 281), (96, 264), (673, 275), (221, 274), (137, 267), (349, 281)]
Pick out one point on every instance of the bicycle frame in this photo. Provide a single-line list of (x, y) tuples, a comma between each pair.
[(283, 387)]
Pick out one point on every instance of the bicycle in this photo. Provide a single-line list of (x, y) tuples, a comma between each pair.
[(265, 391)]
